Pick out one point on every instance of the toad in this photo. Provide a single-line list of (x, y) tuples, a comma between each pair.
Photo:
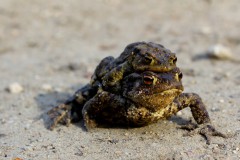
[(136, 57), (145, 94)]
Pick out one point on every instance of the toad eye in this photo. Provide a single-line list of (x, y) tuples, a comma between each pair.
[(149, 80), (149, 60)]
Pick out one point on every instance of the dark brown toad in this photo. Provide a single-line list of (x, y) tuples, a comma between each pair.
[(144, 93)]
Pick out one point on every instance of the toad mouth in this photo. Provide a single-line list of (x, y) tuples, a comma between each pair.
[(166, 92), (171, 91)]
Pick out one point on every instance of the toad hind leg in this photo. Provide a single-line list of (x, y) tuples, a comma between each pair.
[(200, 115), (60, 114), (64, 113), (104, 109)]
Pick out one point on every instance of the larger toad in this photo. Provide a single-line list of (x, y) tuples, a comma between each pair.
[(142, 95)]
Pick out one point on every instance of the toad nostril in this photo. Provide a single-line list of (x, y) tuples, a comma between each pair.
[(174, 60), (180, 75)]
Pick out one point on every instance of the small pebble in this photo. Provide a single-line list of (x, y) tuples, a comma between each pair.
[(220, 52), (221, 101), (224, 111), (206, 30), (47, 87), (27, 126), (15, 88), (235, 151), (215, 150), (2, 120), (215, 109), (28, 148), (58, 89), (118, 152), (126, 134)]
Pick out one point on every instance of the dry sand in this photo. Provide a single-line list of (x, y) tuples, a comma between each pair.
[(51, 49)]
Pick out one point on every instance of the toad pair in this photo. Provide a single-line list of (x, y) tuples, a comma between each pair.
[(140, 87)]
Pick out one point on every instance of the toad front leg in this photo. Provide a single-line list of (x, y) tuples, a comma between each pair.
[(199, 113)]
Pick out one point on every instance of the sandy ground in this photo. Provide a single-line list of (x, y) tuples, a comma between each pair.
[(57, 44)]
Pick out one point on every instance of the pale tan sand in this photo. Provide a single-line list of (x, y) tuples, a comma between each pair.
[(58, 44)]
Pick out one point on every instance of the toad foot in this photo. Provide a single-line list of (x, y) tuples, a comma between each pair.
[(206, 130), (60, 114)]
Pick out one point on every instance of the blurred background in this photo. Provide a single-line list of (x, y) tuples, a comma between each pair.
[(102, 25), (55, 34), (50, 48), (75, 31)]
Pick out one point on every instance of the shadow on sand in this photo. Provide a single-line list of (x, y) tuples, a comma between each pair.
[(46, 101), (49, 100)]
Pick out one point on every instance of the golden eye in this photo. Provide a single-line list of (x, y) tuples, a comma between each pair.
[(149, 80), (149, 60)]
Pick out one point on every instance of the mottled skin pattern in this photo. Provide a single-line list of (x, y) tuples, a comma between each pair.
[(141, 95), (146, 98), (136, 57)]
